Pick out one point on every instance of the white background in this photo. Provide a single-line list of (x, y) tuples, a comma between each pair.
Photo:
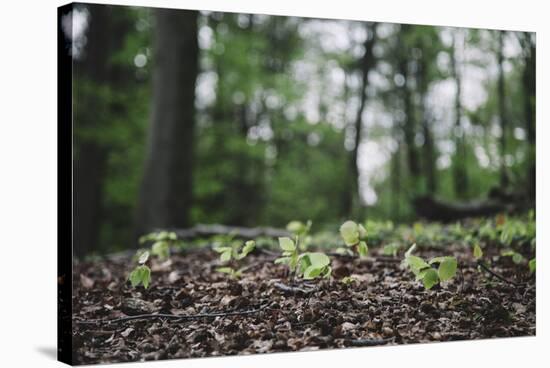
[(28, 187)]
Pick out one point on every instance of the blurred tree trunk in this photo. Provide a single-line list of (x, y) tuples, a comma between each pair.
[(503, 118), (529, 101), (107, 29), (366, 63), (396, 181), (460, 174), (166, 192), (409, 126), (428, 148)]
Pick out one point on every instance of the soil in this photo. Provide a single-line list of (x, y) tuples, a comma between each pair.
[(266, 310)]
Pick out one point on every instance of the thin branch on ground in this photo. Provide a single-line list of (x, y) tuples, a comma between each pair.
[(496, 275), (293, 289), (175, 316), (370, 342)]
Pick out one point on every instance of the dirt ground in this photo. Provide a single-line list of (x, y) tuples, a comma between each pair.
[(206, 313)]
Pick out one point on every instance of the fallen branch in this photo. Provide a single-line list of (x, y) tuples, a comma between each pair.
[(436, 209), (237, 231), (175, 316), (496, 275)]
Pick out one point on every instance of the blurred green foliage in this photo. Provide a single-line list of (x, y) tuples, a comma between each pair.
[(260, 159)]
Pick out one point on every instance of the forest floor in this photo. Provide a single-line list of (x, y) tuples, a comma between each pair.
[(267, 311)]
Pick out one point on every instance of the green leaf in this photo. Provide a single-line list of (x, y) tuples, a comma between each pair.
[(161, 249), (140, 275), (438, 260), (296, 227), (430, 278), (416, 264), (507, 253), (222, 249), (344, 251), (350, 233), (532, 265), (146, 276), (135, 278), (287, 244), (478, 253), (390, 249), (143, 257), (227, 270), (447, 268), (282, 260), (517, 258), (318, 260), (226, 256), (362, 249), (248, 247), (312, 272), (362, 232), (348, 280)]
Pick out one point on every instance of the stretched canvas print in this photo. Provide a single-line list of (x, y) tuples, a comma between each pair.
[(238, 184)]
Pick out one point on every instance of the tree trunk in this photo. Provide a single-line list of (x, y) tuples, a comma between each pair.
[(503, 118), (428, 148), (166, 191), (366, 63), (529, 89), (396, 182), (409, 126), (460, 175), (106, 33)]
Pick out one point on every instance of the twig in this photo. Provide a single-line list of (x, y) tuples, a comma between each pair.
[(175, 316), (494, 274), (370, 342), (293, 289)]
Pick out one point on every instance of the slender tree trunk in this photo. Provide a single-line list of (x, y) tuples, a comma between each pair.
[(460, 175), (166, 192), (503, 118), (428, 148), (409, 126), (366, 63), (529, 93), (106, 33), (396, 182)]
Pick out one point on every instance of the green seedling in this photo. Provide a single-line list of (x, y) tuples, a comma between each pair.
[(517, 258), (233, 254), (425, 271), (142, 273), (348, 280), (162, 242), (391, 249), (309, 265), (478, 253), (301, 232), (354, 236)]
